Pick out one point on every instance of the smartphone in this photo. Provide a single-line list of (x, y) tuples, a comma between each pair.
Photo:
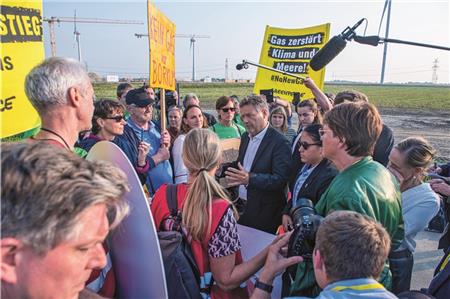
[(296, 99), (268, 93), (225, 167)]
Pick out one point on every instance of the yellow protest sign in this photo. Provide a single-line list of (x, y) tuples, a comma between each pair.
[(161, 37), (21, 49), (290, 50)]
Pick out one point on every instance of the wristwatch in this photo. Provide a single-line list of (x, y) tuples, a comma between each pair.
[(263, 286)]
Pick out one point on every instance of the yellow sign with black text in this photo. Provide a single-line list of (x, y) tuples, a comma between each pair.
[(290, 50), (161, 37), (21, 49)]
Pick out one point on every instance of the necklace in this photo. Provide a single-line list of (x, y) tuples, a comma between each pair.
[(59, 136)]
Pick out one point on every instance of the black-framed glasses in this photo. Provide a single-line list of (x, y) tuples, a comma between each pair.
[(306, 145), (232, 109), (117, 118)]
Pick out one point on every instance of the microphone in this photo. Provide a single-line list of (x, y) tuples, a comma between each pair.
[(328, 52), (372, 40), (243, 65), (333, 47)]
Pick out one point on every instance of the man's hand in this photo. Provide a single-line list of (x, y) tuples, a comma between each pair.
[(396, 174), (310, 83), (161, 155), (143, 150), (439, 186), (275, 261), (165, 138), (236, 177)]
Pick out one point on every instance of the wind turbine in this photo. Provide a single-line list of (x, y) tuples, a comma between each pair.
[(192, 38)]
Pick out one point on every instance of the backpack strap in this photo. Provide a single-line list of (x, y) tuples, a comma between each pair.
[(171, 198), (239, 130)]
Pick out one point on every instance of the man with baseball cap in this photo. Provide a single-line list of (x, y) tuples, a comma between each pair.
[(141, 128)]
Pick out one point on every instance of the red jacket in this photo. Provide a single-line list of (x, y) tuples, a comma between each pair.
[(160, 212)]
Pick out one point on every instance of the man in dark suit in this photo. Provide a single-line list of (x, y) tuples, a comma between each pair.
[(264, 168)]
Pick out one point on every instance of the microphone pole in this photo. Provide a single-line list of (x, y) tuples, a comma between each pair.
[(245, 64), (376, 40)]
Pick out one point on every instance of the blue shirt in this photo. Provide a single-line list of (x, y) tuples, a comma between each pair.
[(304, 173), (161, 173), (354, 289)]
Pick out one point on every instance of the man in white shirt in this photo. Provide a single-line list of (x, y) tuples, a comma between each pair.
[(264, 167)]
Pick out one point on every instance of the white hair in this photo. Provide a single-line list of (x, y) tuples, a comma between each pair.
[(47, 84)]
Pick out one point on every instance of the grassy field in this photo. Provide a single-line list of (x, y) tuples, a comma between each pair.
[(386, 96)]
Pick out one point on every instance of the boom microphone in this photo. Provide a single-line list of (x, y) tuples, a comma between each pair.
[(328, 53), (239, 66), (333, 47)]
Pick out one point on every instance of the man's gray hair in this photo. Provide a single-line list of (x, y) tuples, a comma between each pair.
[(45, 190), (47, 83), (189, 96), (256, 101)]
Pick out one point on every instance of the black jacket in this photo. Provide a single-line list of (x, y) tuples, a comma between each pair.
[(267, 188), (383, 146), (315, 185)]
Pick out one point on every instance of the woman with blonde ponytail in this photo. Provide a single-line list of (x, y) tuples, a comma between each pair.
[(208, 217)]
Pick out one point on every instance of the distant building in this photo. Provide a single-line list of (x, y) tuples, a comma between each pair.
[(112, 78)]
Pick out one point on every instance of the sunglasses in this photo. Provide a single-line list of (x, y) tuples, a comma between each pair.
[(117, 118), (306, 145), (232, 109)]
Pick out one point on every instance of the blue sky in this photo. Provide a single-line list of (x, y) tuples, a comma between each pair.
[(237, 29)]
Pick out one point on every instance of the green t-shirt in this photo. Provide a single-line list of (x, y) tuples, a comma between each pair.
[(225, 132), (237, 119)]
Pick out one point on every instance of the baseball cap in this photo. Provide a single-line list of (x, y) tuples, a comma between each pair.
[(138, 97)]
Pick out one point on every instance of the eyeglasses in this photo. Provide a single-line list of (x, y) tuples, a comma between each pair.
[(232, 109), (306, 145), (117, 118)]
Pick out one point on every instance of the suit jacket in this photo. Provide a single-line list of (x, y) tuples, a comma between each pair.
[(267, 188), (316, 183)]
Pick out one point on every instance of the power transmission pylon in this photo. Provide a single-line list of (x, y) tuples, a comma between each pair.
[(193, 39), (56, 20), (434, 77), (226, 69)]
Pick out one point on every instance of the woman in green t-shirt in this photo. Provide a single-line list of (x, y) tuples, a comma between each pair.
[(226, 127)]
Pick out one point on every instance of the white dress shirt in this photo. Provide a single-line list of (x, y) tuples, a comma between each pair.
[(249, 157)]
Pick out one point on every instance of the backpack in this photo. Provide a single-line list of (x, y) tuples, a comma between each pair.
[(182, 274)]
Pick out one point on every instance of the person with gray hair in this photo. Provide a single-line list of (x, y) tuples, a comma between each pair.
[(61, 92), (192, 99), (263, 169), (56, 211)]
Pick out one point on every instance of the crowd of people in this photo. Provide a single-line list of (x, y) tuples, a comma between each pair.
[(374, 195)]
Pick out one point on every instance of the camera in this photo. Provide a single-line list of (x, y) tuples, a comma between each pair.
[(268, 93), (297, 98), (306, 223), (169, 98)]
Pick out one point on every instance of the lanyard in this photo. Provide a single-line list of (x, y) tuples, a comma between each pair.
[(447, 259), (361, 287)]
